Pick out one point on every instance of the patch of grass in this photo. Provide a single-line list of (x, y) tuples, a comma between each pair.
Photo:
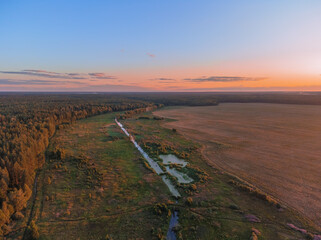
[(102, 170)]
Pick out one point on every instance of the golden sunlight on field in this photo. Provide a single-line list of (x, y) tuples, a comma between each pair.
[(274, 146)]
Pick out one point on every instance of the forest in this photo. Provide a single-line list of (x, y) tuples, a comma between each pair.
[(27, 122)]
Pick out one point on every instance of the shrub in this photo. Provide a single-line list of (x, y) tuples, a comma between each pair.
[(254, 236), (233, 206), (189, 201), (256, 192), (18, 216), (32, 231), (161, 208), (158, 118), (193, 187), (49, 180), (108, 237)]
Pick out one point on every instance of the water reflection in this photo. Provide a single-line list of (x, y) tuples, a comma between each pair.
[(151, 162)]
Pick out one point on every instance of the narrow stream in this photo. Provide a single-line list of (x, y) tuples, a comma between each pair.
[(171, 235), (180, 176), (151, 162)]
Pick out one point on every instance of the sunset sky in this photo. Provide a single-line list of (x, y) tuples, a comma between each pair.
[(160, 45)]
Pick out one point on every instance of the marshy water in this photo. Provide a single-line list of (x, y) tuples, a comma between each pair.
[(172, 224), (154, 165), (172, 159), (181, 177)]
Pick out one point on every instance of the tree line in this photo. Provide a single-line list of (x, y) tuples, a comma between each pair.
[(215, 98), (26, 124)]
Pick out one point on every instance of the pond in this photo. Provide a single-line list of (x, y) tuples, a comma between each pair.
[(181, 177), (171, 158)]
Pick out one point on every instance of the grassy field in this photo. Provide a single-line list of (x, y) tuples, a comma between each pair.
[(274, 146), (102, 189)]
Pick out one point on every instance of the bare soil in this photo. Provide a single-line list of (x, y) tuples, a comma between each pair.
[(276, 147)]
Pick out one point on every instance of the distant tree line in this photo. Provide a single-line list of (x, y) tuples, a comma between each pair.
[(131, 113), (214, 98)]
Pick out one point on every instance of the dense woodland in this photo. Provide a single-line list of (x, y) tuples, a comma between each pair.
[(26, 124), (27, 121)]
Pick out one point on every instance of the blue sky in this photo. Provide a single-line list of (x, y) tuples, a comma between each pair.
[(136, 41)]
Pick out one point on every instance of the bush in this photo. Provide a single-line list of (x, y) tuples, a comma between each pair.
[(49, 180), (253, 236), (108, 237), (233, 206), (193, 187), (32, 231), (158, 234), (18, 216), (158, 118), (256, 192), (189, 201), (161, 208)]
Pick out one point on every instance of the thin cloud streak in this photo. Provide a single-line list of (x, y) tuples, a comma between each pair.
[(223, 79), (270, 88), (101, 76), (47, 74), (42, 73), (35, 82), (33, 86), (162, 79)]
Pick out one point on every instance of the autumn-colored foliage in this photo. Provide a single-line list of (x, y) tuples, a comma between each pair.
[(32, 231), (26, 124)]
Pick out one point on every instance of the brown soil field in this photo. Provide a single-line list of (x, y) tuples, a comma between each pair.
[(276, 147)]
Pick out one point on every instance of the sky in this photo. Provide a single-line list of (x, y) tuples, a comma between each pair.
[(160, 45)]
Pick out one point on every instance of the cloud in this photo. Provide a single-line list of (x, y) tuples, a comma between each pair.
[(253, 89), (151, 55), (39, 71), (35, 82), (73, 74), (101, 76), (43, 73), (162, 79), (116, 88), (223, 79), (12, 85), (56, 75)]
